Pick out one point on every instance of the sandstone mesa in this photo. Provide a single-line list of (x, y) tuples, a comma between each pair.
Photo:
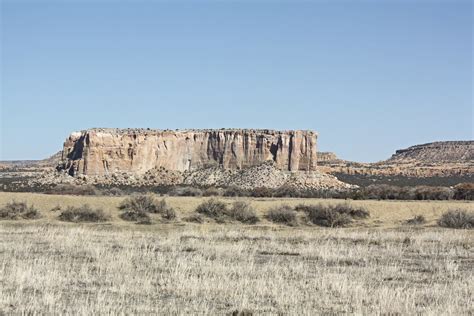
[(244, 158), (105, 151)]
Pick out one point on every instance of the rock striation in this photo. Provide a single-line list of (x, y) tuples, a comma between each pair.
[(100, 152)]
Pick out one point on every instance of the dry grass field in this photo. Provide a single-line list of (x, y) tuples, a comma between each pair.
[(377, 265)]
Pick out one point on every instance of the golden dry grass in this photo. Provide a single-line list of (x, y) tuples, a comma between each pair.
[(377, 266)]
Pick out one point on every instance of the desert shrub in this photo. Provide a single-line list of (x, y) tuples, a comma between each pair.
[(392, 192), (185, 191), (433, 193), (136, 208), (18, 210), (326, 216), (243, 212), (382, 192), (73, 189), (464, 191), (261, 192), (83, 213), (416, 220), (113, 191), (289, 191), (146, 203), (457, 218), (282, 214), (338, 215), (212, 191), (135, 216), (194, 218), (235, 191), (168, 213), (212, 208)]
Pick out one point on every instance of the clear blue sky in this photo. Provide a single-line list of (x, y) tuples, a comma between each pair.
[(369, 76)]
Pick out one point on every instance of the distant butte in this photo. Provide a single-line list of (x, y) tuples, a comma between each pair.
[(101, 151)]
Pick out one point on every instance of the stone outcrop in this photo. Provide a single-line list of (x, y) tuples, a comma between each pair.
[(100, 152)]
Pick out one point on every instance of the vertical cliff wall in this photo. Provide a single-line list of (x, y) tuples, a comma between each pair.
[(104, 151)]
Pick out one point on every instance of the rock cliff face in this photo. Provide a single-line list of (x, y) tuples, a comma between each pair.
[(105, 151)]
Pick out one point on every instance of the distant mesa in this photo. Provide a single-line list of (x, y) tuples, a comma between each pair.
[(437, 159), (242, 158), (437, 152), (103, 151)]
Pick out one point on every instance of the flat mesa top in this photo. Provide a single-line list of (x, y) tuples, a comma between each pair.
[(152, 130)]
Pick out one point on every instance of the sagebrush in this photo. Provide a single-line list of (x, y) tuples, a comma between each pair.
[(83, 213), (18, 210)]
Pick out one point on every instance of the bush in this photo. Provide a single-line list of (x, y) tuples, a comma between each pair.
[(134, 216), (145, 203), (243, 212), (338, 215), (168, 213), (73, 189), (391, 192), (457, 218), (212, 208), (416, 220), (235, 191), (464, 191), (136, 208), (113, 191), (185, 191), (287, 191), (327, 217), (261, 192), (18, 210), (283, 214), (433, 193), (212, 191), (83, 214)]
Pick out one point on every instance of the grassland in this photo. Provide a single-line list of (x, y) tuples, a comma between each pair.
[(377, 265)]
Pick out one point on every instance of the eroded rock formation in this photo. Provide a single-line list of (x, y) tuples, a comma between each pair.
[(106, 151)]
